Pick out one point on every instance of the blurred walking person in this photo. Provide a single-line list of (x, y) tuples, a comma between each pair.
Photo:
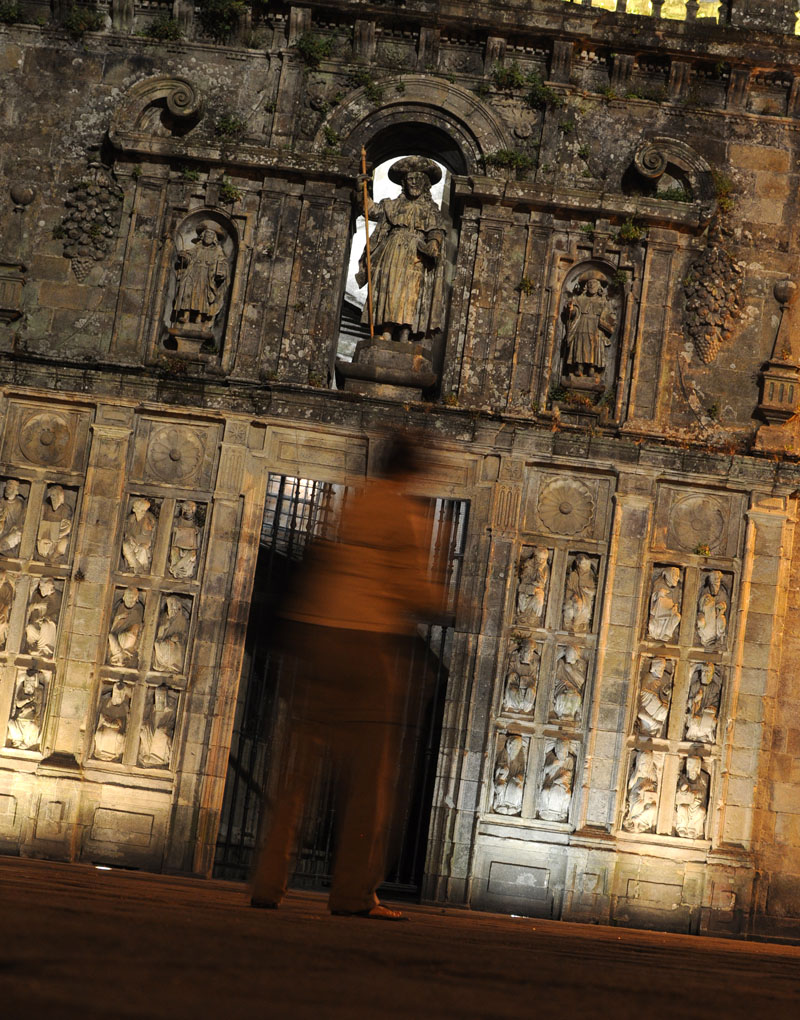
[(346, 621)]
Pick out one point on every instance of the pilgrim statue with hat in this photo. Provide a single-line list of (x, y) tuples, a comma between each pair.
[(591, 323), (201, 282), (407, 255)]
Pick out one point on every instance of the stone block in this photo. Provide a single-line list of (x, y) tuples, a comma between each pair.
[(785, 797), (761, 158)]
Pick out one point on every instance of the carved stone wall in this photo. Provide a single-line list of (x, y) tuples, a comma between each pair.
[(614, 394)]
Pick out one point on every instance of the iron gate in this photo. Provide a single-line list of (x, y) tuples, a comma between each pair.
[(296, 511)]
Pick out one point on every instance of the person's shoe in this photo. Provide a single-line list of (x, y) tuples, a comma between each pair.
[(376, 913), (256, 901)]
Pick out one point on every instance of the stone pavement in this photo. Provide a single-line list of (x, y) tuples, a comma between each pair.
[(79, 942)]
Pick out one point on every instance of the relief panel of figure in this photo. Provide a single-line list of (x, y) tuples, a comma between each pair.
[(169, 647), (522, 677), (579, 594), (558, 780), (702, 704), (508, 780), (534, 580), (55, 525), (126, 630), (27, 710), (158, 728), (691, 800), (590, 315), (713, 609), (185, 541), (12, 517), (112, 722), (568, 687), (642, 802), (655, 697), (8, 584), (138, 537), (41, 627), (665, 603), (200, 285)]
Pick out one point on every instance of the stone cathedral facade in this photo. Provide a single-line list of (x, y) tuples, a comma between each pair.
[(593, 240)]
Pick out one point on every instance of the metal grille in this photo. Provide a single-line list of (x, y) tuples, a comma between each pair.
[(297, 510)]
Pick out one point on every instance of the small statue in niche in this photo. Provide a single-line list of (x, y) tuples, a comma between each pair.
[(406, 251), (557, 783), (509, 777), (55, 527), (534, 576), (112, 722), (7, 588), (126, 629), (665, 613), (579, 596), (712, 610), (202, 282), (691, 800), (12, 517), (137, 541), (640, 815), (169, 648), (27, 712), (158, 728), (185, 542), (522, 678), (655, 696), (702, 710), (42, 622), (569, 683), (591, 323)]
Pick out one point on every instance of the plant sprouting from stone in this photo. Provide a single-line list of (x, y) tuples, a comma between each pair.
[(228, 192), (361, 78), (312, 49), (526, 286), (164, 28), (10, 13), (630, 232), (510, 159), (229, 126), (79, 20), (220, 18)]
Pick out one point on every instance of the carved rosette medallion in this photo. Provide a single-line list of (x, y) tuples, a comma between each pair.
[(175, 453), (565, 506), (696, 521), (45, 439)]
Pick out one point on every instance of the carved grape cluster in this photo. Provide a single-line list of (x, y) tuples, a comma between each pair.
[(94, 207), (713, 292)]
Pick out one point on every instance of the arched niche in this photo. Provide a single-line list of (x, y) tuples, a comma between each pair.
[(202, 258), (163, 106), (663, 167), (591, 314)]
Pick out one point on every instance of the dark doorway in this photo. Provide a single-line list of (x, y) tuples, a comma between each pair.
[(296, 511)]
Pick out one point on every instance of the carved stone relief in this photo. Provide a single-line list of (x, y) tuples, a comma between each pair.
[(714, 301), (713, 609), (534, 581), (126, 629), (44, 608), (558, 780), (169, 647), (522, 678), (45, 436), (703, 701), (580, 593), (175, 452), (665, 604), (158, 728), (508, 780), (565, 506), (200, 283), (112, 722), (46, 439), (187, 536), (55, 525), (691, 800), (27, 710), (655, 697), (94, 206), (696, 522), (569, 683), (8, 583), (642, 799), (139, 535), (591, 317), (12, 516)]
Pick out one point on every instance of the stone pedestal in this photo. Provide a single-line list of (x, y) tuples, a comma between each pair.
[(390, 369)]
